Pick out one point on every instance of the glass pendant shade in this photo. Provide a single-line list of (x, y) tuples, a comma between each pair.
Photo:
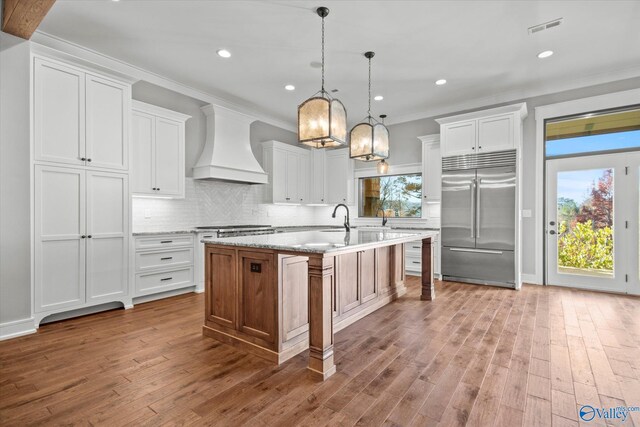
[(322, 123), (383, 167), (369, 142)]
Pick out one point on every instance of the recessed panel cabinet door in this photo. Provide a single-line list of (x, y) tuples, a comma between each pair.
[(107, 231), (142, 136), (294, 272), (59, 243), (367, 275), (107, 112), (221, 287), (279, 177), (496, 133), (459, 138), (169, 155), (258, 299), (347, 282), (59, 113)]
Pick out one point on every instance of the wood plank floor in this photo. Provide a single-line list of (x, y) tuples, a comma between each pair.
[(477, 355)]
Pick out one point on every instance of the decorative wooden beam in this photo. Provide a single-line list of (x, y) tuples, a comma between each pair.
[(22, 17)]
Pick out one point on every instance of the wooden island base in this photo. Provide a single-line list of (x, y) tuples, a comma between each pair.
[(276, 304)]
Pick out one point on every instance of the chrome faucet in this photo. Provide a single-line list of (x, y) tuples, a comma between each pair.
[(347, 226), (384, 218)]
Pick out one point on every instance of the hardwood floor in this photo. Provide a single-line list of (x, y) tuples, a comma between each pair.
[(476, 355)]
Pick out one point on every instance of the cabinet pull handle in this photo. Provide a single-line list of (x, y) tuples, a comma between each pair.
[(83, 237), (479, 147), (154, 188), (473, 148), (83, 158), (166, 258), (165, 279), (416, 262), (89, 236), (88, 160), (207, 237), (158, 188), (166, 241), (287, 198)]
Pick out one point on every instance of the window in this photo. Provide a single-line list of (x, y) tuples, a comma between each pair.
[(399, 195), (593, 133)]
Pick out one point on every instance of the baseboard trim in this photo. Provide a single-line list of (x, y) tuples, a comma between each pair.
[(162, 295), (531, 279), (17, 328)]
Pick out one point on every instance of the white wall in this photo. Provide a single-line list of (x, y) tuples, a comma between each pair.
[(15, 224), (404, 146)]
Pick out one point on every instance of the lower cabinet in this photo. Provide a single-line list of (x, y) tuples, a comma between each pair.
[(257, 296), (163, 263), (413, 257), (81, 238)]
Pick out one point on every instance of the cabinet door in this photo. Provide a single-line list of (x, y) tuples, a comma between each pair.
[(367, 275), (459, 138), (258, 298), (337, 170), (279, 176), (169, 157), (143, 170), (107, 118), (496, 133), (59, 113), (303, 162), (383, 269), (107, 235), (221, 286), (59, 244), (294, 273), (317, 185), (293, 184), (431, 174), (347, 282)]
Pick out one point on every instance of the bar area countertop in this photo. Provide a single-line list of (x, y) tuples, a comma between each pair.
[(324, 241)]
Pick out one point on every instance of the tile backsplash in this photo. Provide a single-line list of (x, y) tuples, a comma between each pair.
[(226, 203)]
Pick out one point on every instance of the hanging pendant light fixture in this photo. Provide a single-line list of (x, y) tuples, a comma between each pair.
[(322, 120), (370, 138), (383, 166)]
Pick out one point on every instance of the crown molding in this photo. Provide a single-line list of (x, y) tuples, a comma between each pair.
[(63, 49), (432, 139)]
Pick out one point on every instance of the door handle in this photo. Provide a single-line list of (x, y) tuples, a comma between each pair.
[(472, 188), (477, 251), (479, 183)]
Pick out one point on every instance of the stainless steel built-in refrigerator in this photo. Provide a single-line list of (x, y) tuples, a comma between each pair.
[(478, 218)]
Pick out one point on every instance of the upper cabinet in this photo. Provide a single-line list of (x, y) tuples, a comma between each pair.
[(80, 117), (431, 170), (288, 169), (484, 131), (339, 173), (158, 138), (318, 183)]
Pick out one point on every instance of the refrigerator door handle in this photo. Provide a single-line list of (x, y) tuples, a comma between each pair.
[(472, 188), (478, 191), (480, 251)]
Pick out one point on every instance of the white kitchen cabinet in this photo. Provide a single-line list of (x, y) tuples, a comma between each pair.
[(80, 118), (484, 131), (318, 178), (164, 263), (288, 169), (158, 138), (339, 172), (81, 237), (413, 257), (431, 170)]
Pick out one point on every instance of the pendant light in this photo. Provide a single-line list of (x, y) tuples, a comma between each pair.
[(322, 120), (370, 138), (383, 166)]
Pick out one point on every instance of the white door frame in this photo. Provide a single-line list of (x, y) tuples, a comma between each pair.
[(544, 112)]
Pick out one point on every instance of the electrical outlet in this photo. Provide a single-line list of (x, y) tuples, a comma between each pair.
[(147, 213), (256, 268)]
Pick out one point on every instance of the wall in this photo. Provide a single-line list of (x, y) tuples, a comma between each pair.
[(15, 224), (196, 126), (405, 148)]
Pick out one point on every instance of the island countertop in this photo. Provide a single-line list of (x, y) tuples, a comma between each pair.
[(324, 241)]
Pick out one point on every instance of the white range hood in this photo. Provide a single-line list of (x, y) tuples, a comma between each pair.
[(227, 151)]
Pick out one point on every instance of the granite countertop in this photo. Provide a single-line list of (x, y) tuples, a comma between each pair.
[(323, 241)]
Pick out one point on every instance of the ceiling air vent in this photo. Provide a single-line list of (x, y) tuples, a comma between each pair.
[(545, 26)]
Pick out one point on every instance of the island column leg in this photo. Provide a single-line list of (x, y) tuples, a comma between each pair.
[(428, 290), (321, 299)]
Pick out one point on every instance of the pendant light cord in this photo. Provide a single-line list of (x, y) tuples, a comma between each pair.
[(323, 91), (369, 110)]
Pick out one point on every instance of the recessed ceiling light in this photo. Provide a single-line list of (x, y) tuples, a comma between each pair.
[(545, 54), (290, 87), (378, 97), (441, 82), (224, 53)]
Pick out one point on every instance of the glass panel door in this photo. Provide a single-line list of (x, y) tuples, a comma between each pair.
[(590, 206)]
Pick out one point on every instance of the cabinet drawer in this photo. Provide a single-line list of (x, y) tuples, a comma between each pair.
[(413, 248), (173, 258), (165, 241), (413, 263), (165, 281)]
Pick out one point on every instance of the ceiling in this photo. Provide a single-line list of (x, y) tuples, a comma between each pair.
[(482, 48)]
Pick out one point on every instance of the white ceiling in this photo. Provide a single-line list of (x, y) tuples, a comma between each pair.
[(482, 48)]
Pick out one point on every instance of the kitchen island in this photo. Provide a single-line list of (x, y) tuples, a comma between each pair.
[(276, 295)]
